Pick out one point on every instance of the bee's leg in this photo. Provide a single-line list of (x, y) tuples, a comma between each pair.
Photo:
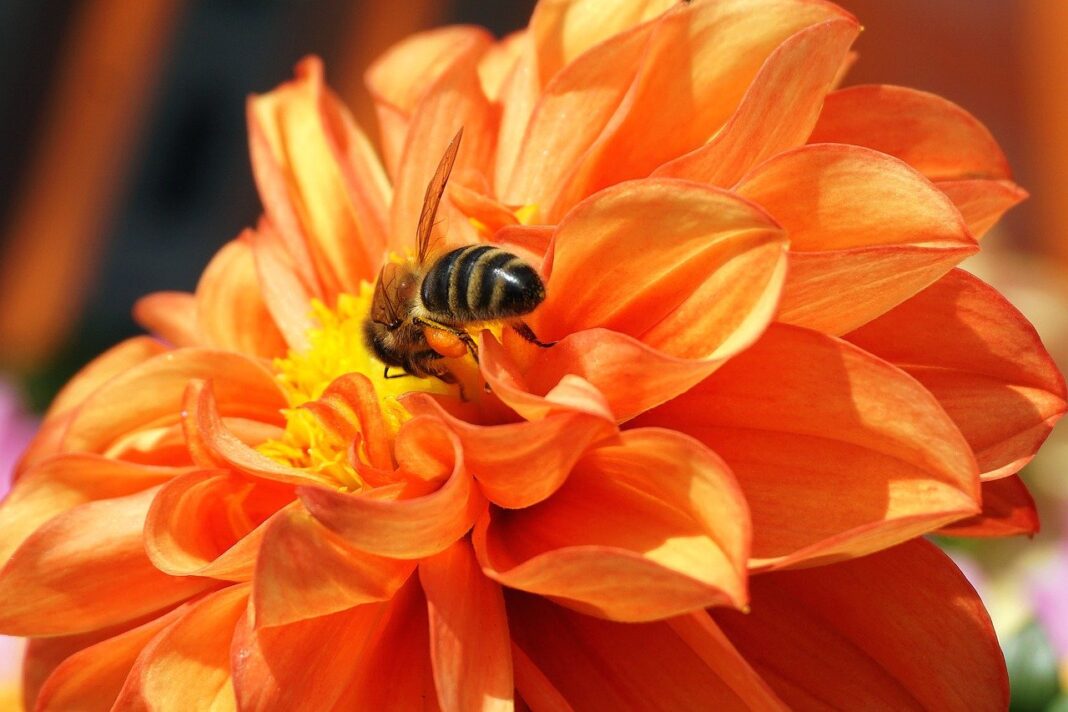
[(462, 335), (527, 333), (387, 374)]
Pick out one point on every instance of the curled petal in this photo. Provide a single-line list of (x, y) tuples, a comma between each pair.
[(349, 407), (933, 135), (320, 181), (778, 110), (63, 482), (150, 394), (982, 202), (866, 232), (469, 644), (680, 253), (371, 657), (53, 583), (1008, 509), (188, 663), (843, 457), (812, 643), (91, 678), (172, 316), (211, 524), (214, 443), (520, 464), (598, 664), (983, 361), (306, 571), (231, 313), (379, 523), (647, 528)]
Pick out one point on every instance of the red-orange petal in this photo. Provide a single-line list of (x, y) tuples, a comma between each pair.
[(901, 629), (172, 316), (981, 201), (379, 523), (597, 664), (188, 663), (371, 657), (1008, 510), (231, 313), (647, 528), (469, 644), (931, 134), (91, 678), (779, 108), (211, 524), (866, 232), (838, 452), (321, 185), (695, 271), (983, 361), (62, 579), (520, 464), (62, 482), (150, 394), (306, 571)]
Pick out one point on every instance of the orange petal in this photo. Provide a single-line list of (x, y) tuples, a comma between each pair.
[(231, 312), (469, 643), (115, 361), (211, 524), (91, 678), (188, 663), (651, 527), (62, 482), (933, 135), (533, 688), (62, 579), (602, 665), (286, 293), (812, 642), (453, 101), (715, 263), (839, 453), (564, 30), (778, 110), (499, 61), (172, 316), (626, 375), (983, 361), (413, 527), (320, 181), (1008, 509), (150, 394), (838, 204), (215, 444), (407, 72), (520, 464), (699, 60), (306, 571), (350, 407), (371, 657), (982, 202)]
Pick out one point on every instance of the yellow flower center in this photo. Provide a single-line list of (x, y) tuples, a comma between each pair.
[(336, 347)]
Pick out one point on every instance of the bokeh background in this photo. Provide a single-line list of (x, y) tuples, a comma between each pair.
[(123, 167)]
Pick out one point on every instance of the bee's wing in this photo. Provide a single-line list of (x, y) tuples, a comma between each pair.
[(383, 309), (434, 190)]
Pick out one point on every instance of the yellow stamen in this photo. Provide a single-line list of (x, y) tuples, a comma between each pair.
[(335, 348)]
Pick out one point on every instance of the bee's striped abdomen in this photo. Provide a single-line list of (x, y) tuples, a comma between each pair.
[(480, 283)]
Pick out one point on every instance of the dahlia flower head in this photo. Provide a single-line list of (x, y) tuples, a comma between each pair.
[(769, 381)]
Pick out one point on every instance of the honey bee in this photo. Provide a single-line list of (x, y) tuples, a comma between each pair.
[(420, 307)]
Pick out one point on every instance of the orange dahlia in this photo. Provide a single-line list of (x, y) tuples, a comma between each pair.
[(768, 381)]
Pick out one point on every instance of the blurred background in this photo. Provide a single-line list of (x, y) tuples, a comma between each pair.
[(123, 167)]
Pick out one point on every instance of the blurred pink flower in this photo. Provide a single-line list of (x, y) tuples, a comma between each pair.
[(16, 428)]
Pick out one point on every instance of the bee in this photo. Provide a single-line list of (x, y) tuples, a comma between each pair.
[(420, 307)]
